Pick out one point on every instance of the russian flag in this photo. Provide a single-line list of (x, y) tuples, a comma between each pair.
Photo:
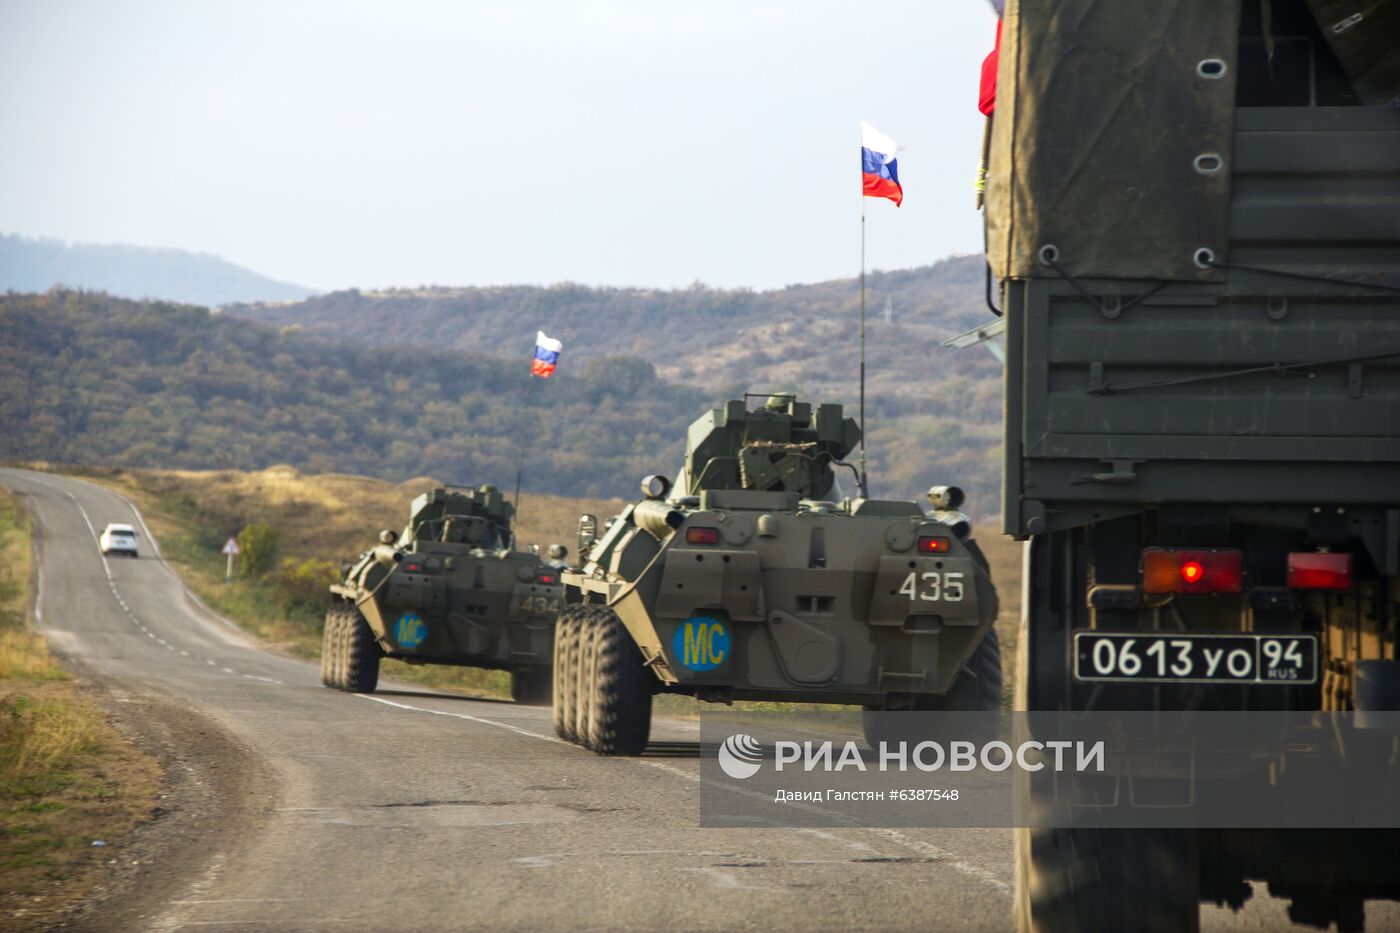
[(878, 168), (546, 355)]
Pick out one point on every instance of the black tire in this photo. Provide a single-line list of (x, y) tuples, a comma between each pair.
[(361, 654), (583, 678), (620, 690), (531, 686), (566, 672), (1099, 879), (977, 690), (327, 638), (978, 687)]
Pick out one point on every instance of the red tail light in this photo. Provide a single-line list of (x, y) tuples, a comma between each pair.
[(933, 545), (549, 578), (702, 536), (1317, 571), (1168, 570)]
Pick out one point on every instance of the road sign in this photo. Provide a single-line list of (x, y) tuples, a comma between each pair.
[(231, 549)]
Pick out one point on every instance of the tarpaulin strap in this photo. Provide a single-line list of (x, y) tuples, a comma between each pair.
[(1094, 300), (1306, 276)]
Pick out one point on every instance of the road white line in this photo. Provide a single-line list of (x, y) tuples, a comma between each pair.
[(485, 722), (38, 585)]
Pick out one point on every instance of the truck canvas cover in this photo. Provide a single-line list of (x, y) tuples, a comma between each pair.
[(1111, 139)]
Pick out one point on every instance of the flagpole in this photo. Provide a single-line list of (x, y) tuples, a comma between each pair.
[(864, 483), (520, 460)]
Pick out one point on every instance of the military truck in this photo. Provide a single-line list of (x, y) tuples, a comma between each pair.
[(1193, 215), (449, 589), (753, 577)]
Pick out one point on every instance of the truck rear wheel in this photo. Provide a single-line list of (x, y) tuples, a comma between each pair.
[(531, 686), (620, 690), (566, 630), (1099, 879)]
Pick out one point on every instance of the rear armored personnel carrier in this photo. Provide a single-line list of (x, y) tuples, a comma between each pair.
[(448, 589), (754, 578)]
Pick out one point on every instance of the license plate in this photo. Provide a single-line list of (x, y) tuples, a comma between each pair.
[(1138, 657)]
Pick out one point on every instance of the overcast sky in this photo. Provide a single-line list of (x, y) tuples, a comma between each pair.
[(339, 144)]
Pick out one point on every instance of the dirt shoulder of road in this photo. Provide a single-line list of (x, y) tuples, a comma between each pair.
[(73, 786), (110, 793)]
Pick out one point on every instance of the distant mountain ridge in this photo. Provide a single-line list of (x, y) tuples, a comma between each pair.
[(38, 264)]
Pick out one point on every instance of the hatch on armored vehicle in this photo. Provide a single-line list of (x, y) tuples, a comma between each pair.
[(449, 589), (753, 577)]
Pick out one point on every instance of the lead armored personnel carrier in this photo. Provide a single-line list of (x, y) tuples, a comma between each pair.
[(754, 578), (448, 589)]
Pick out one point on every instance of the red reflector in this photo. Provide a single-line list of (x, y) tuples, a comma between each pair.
[(411, 568), (1166, 570), (1309, 571), (933, 545), (702, 536), (547, 578)]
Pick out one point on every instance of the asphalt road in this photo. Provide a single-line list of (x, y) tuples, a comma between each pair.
[(295, 807)]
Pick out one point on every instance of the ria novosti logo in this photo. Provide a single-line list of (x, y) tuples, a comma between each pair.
[(740, 756)]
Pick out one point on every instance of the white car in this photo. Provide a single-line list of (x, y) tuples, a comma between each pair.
[(118, 539)]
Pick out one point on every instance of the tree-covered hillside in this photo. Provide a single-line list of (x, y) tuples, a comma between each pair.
[(92, 379), (934, 413), (35, 265), (403, 384)]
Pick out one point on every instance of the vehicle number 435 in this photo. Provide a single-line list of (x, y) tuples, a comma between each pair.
[(933, 586)]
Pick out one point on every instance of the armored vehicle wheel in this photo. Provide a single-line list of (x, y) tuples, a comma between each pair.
[(977, 690), (332, 653), (531, 686), (354, 654), (362, 654), (566, 633), (327, 634), (620, 690), (1100, 879), (583, 678)]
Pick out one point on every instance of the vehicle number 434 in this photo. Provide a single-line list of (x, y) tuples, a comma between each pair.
[(934, 586)]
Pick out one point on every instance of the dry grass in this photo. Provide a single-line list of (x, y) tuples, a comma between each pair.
[(66, 776), (336, 516), (325, 515), (318, 518)]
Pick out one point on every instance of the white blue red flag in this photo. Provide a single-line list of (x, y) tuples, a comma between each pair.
[(546, 355), (878, 168)]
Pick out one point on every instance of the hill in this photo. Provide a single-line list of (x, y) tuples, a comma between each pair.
[(934, 413), (35, 265), (96, 380)]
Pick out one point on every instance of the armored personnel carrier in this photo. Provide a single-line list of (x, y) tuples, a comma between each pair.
[(754, 578), (448, 589)]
